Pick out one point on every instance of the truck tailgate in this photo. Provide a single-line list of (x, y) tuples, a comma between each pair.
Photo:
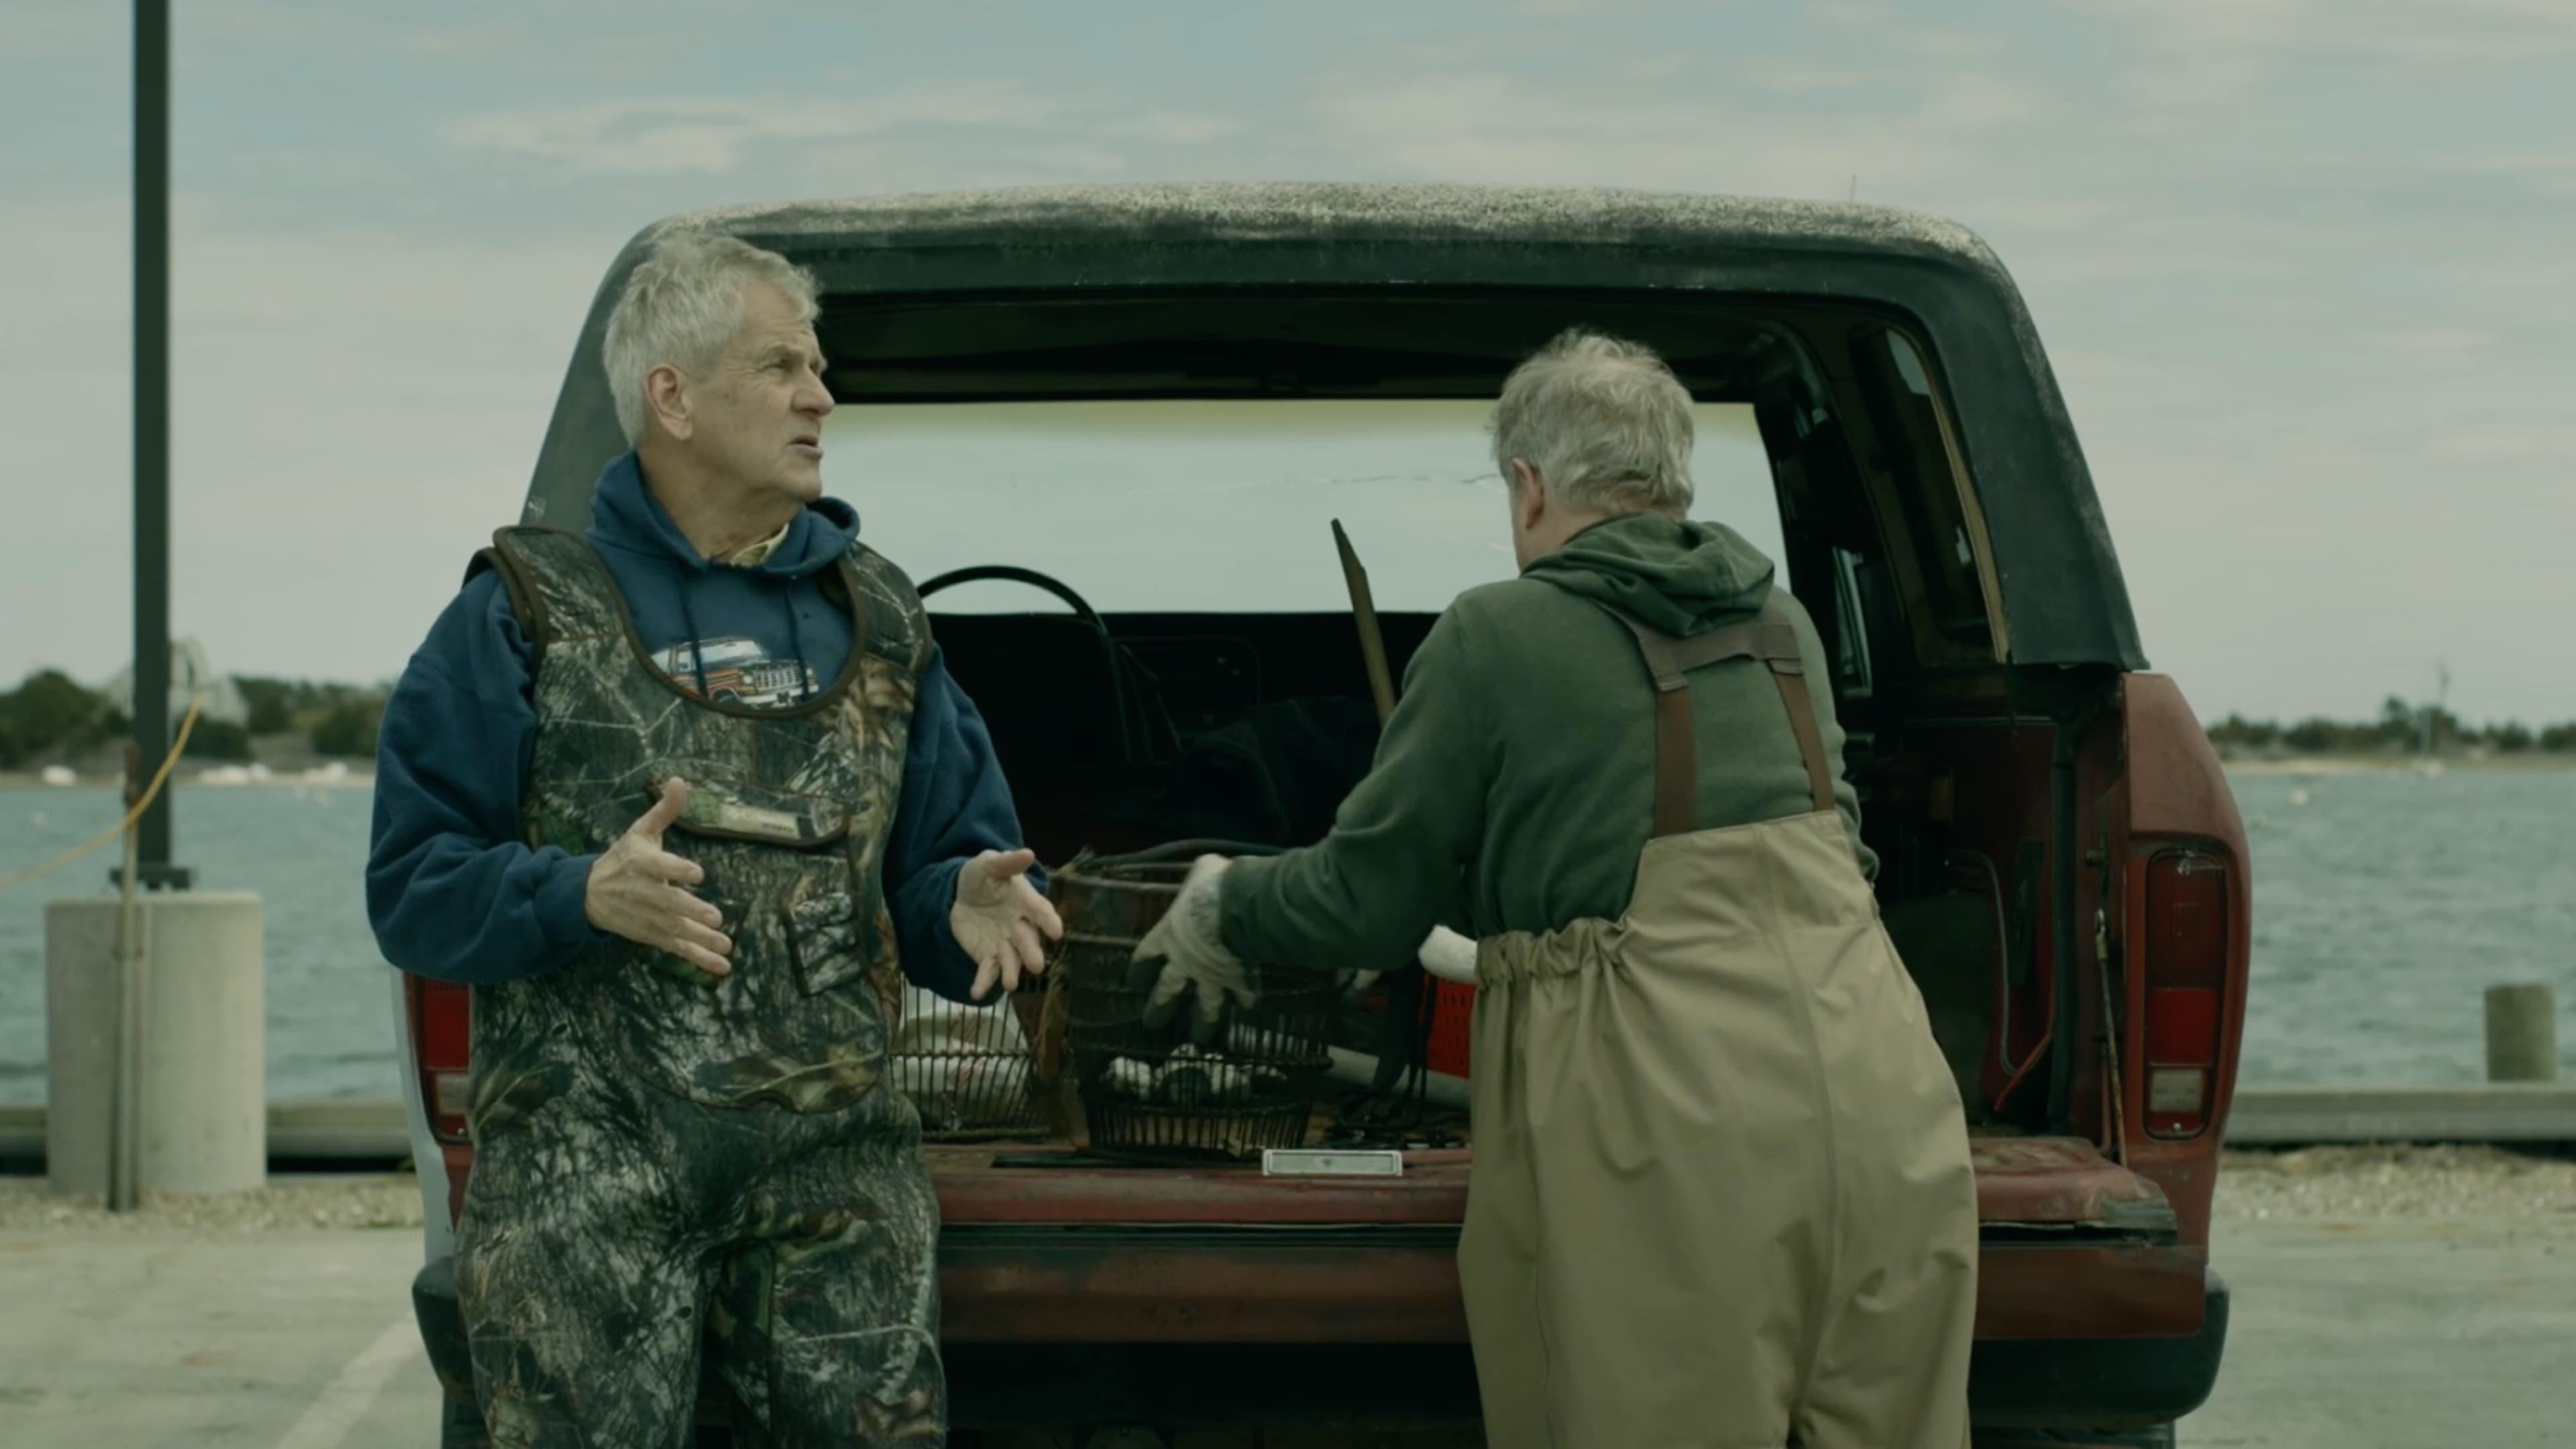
[(2074, 1246)]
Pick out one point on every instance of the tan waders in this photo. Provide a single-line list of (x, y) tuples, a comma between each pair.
[(1722, 1194)]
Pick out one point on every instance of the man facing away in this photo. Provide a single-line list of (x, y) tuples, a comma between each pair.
[(686, 798), (1722, 1193)]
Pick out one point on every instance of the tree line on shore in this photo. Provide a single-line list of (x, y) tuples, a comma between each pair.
[(2400, 728), (51, 716)]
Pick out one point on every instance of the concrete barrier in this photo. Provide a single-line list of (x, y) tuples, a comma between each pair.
[(175, 1075)]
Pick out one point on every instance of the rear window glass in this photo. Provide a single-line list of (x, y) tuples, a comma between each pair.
[(1211, 506)]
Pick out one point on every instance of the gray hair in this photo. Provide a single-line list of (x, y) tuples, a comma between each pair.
[(681, 306), (1604, 421)]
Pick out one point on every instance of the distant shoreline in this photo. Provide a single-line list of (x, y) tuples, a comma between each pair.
[(281, 780), (2309, 765), (2389, 764)]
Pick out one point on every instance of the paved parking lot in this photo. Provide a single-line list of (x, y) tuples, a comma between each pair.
[(2378, 1306), (2396, 1333), (280, 1338)]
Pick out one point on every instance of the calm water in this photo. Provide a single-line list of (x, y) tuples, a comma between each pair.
[(330, 1011), (2384, 905)]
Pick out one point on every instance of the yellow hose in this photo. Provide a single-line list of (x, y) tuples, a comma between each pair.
[(152, 792)]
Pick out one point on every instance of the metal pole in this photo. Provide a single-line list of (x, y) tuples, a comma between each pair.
[(152, 424)]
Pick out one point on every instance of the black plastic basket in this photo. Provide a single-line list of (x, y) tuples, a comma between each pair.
[(971, 1071), (1146, 1093)]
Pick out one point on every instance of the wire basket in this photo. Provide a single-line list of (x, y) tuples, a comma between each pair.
[(970, 1070), (1144, 1092)]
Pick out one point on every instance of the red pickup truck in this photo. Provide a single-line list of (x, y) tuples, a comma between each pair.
[(1150, 403)]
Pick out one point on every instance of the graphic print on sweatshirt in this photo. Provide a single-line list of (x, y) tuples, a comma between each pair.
[(737, 670)]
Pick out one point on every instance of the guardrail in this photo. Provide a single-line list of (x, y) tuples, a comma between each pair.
[(374, 1131), (2493, 1112), (339, 1131)]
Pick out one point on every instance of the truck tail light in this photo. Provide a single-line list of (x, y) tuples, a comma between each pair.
[(1453, 1015), (442, 1035), (2184, 968)]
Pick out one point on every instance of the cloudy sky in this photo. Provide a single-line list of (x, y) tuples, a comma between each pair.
[(2307, 271)]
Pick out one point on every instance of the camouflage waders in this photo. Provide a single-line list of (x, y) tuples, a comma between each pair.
[(650, 1141)]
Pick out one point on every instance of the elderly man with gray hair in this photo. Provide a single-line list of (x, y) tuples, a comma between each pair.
[(687, 798), (1722, 1195)]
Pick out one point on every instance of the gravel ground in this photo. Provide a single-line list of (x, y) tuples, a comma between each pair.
[(2394, 1182), (2314, 1182), (287, 1202)]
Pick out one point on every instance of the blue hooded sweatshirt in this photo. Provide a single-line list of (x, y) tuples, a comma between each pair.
[(453, 890)]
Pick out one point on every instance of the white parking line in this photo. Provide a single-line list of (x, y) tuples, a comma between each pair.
[(344, 1400)]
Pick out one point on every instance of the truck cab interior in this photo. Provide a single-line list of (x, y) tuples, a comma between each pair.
[(1119, 510)]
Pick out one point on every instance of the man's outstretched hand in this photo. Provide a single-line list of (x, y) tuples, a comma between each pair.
[(640, 891), (999, 919)]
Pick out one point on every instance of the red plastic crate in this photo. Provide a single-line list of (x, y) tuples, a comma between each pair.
[(1453, 1008)]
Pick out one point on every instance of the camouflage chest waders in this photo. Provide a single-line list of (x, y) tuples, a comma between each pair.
[(650, 1141)]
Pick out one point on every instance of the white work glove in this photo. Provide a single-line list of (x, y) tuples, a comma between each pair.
[(1449, 956), (1184, 956)]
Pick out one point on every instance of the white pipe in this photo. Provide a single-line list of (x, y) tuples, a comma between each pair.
[(1449, 956), (1359, 1069), (125, 1044)]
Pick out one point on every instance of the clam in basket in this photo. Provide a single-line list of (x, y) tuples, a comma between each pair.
[(1146, 1093)]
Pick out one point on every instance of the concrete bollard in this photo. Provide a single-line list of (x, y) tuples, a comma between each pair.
[(200, 1109), (2522, 1034)]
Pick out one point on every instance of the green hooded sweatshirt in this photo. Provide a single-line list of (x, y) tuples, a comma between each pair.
[(1514, 787)]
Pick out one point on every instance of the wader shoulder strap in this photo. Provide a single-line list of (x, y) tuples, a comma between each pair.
[(897, 628), (556, 584), (1768, 637)]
